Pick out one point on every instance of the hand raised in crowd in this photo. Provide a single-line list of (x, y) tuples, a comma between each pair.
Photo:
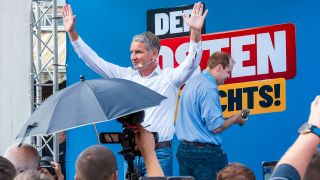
[(303, 149), (196, 20), (314, 117), (45, 174), (57, 169), (144, 140), (146, 144)]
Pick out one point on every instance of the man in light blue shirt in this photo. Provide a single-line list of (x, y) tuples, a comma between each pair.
[(200, 122)]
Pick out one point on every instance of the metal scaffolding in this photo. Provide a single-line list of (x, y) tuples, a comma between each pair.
[(43, 18)]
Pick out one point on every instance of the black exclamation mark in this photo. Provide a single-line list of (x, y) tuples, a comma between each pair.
[(277, 94)]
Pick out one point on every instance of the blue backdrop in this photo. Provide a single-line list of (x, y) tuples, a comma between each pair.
[(108, 26)]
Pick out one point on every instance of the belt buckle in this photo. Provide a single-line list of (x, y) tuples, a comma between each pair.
[(201, 145), (163, 144)]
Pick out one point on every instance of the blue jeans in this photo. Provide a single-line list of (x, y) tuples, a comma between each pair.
[(164, 156), (203, 163)]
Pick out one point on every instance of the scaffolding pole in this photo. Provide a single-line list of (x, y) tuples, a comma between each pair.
[(38, 68), (39, 16), (55, 72)]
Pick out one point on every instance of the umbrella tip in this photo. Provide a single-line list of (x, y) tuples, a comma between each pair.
[(82, 78)]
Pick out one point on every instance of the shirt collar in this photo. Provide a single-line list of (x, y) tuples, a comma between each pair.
[(209, 76), (155, 72)]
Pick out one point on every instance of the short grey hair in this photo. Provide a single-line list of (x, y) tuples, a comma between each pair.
[(149, 39), (96, 162), (24, 157)]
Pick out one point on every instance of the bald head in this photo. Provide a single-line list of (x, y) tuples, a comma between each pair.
[(96, 162), (25, 157)]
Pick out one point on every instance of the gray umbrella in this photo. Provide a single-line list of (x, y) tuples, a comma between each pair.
[(88, 102)]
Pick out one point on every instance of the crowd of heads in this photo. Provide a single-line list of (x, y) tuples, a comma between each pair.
[(22, 162), (95, 162)]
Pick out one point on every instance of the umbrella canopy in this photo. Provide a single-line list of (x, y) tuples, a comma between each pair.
[(88, 102)]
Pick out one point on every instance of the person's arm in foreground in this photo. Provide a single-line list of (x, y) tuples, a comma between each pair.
[(57, 169), (146, 144), (301, 152)]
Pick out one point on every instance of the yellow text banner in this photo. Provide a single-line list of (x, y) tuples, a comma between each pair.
[(258, 96)]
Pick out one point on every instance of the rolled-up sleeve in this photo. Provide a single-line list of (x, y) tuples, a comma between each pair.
[(285, 172), (211, 113)]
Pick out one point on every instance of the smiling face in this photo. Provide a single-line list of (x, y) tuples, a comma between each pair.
[(144, 50), (139, 54)]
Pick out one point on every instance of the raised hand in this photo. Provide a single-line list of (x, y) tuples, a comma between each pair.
[(46, 174), (57, 169), (314, 117), (144, 140), (196, 20), (68, 18)]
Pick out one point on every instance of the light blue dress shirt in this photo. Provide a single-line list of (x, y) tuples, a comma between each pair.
[(199, 110)]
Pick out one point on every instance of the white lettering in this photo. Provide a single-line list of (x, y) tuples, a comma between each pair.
[(161, 23), (239, 56), (215, 45), (271, 53), (174, 22), (185, 26), (276, 55), (167, 56)]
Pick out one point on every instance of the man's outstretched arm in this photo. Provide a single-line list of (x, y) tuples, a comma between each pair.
[(89, 56), (195, 22)]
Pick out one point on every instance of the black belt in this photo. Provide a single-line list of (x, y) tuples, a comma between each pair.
[(163, 144), (199, 144)]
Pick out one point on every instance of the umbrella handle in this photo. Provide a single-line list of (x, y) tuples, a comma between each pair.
[(96, 131)]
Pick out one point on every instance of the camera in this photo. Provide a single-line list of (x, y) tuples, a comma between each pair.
[(126, 137), (127, 140), (45, 162)]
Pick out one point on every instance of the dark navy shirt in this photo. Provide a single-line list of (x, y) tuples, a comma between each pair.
[(285, 172)]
